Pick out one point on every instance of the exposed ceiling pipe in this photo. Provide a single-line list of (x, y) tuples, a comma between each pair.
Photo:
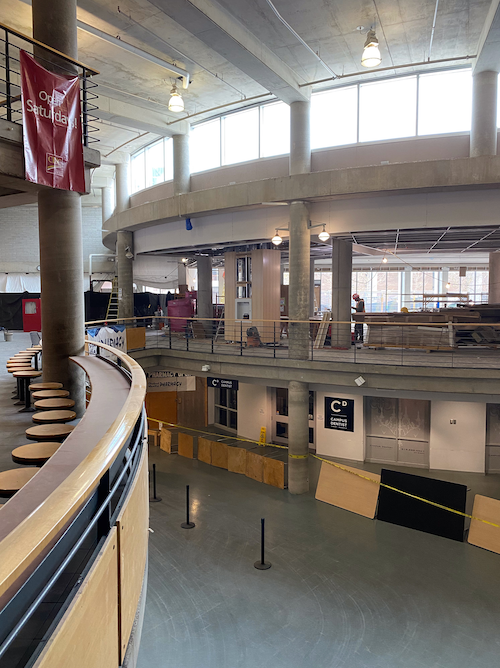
[(137, 52), (433, 28), (297, 36)]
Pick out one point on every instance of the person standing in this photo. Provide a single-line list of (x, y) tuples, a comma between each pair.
[(359, 308)]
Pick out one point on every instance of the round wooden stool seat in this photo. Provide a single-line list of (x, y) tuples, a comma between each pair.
[(34, 387), (49, 394), (49, 417), (35, 454), (11, 481), (27, 374), (54, 404), (18, 367), (49, 432)]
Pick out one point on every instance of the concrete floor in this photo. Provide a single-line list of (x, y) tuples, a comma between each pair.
[(342, 591)]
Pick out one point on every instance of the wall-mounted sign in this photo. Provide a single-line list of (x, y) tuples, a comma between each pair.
[(167, 381), (339, 413), (224, 383)]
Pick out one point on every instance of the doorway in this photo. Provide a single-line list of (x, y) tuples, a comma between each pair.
[(280, 422), (492, 438)]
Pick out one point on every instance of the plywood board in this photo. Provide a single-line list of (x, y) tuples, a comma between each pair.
[(481, 534), (345, 490), (205, 450), (136, 338), (273, 472), (219, 455), (255, 466), (154, 437), (168, 440), (87, 635), (133, 533), (236, 460), (186, 445)]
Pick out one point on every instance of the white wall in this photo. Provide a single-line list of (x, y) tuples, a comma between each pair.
[(254, 411), (343, 444), (460, 446)]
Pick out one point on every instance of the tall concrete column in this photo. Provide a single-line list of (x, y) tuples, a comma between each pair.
[(204, 298), (182, 172), (122, 184), (494, 279), (311, 289), (300, 137), (181, 277), (60, 230), (298, 290), (298, 437), (125, 272), (483, 134), (106, 203), (341, 292)]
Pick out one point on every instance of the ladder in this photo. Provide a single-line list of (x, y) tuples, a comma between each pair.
[(220, 325), (112, 310), (319, 341)]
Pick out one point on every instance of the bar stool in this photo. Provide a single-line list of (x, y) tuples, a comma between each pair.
[(53, 404), (50, 394), (34, 387), (26, 376), (18, 393), (11, 481), (49, 432), (52, 417), (35, 454)]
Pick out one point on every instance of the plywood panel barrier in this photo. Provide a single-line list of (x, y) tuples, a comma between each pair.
[(169, 440), (482, 534), (186, 445), (219, 454), (136, 338), (255, 466), (236, 459), (351, 492), (274, 473), (205, 450)]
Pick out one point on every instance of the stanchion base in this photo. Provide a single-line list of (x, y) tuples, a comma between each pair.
[(188, 525), (153, 500), (262, 566)]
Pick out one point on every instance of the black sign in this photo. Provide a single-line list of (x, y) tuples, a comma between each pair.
[(339, 414), (224, 383)]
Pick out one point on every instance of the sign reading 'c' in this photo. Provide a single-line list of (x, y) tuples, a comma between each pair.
[(339, 414)]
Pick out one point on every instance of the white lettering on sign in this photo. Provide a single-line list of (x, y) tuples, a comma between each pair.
[(52, 112)]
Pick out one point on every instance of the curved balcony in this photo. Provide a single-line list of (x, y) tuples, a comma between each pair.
[(73, 541)]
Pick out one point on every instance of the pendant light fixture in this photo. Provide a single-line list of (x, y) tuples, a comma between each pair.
[(323, 236), (176, 103), (371, 53), (276, 240)]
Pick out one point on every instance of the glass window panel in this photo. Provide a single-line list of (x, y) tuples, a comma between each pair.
[(222, 416), (155, 164), (281, 401), (274, 129), (444, 102), (334, 117), (233, 420), (240, 136), (387, 109), (204, 145), (326, 290), (169, 159), (138, 174), (311, 405), (232, 399), (282, 429)]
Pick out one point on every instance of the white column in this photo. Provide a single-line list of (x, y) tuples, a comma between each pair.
[(483, 134)]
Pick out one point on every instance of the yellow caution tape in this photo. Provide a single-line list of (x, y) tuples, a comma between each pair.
[(337, 466)]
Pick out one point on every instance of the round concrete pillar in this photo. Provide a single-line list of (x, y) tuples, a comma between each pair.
[(298, 291), (60, 229), (483, 134), (300, 137), (122, 184), (106, 203), (494, 279), (125, 269), (182, 173), (298, 437), (204, 297), (341, 292)]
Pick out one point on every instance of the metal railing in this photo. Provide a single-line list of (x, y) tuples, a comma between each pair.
[(453, 345), (11, 43)]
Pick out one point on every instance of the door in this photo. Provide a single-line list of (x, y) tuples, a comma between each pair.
[(192, 406), (492, 438), (280, 422), (162, 406), (397, 431), (226, 408)]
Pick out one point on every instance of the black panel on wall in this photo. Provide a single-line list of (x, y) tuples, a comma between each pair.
[(11, 308), (399, 509)]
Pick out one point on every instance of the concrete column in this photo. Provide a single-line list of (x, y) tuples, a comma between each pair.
[(406, 299), (483, 134), (181, 277), (494, 284), (341, 292), (106, 204), (298, 290), (60, 231), (122, 185), (300, 137), (311, 289), (298, 437), (182, 172), (125, 272), (204, 298)]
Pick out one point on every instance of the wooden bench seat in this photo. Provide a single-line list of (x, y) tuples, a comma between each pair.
[(35, 454)]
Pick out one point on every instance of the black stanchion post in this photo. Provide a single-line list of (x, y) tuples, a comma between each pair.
[(262, 565), (187, 524), (154, 498)]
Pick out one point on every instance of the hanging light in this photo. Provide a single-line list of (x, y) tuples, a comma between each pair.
[(371, 53), (176, 103), (448, 286), (384, 260), (323, 236), (276, 240)]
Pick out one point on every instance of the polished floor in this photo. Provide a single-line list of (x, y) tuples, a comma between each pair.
[(343, 591)]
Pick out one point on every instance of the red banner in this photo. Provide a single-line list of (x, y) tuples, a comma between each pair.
[(52, 128)]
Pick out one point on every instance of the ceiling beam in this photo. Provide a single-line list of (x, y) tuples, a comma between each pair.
[(223, 33), (488, 49)]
